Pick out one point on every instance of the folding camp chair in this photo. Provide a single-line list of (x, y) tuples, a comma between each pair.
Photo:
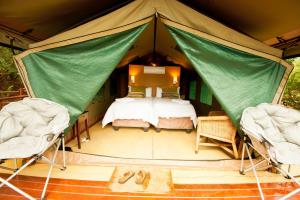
[(273, 131), (27, 129)]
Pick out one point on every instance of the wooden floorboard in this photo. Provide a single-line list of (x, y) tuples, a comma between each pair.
[(90, 190)]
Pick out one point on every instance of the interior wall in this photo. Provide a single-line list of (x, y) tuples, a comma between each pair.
[(154, 80)]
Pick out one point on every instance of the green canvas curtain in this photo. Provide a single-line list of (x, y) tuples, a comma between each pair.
[(192, 90), (237, 79), (72, 75), (206, 95)]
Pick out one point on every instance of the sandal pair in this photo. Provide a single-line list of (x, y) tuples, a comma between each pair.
[(139, 179)]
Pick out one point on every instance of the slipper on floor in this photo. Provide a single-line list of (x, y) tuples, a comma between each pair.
[(140, 177), (126, 176)]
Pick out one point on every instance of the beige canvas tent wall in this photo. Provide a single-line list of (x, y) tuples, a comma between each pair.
[(11, 38), (169, 13)]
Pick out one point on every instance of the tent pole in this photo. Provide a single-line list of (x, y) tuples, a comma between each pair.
[(154, 37)]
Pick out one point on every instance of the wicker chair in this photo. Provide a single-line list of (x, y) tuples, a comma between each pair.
[(219, 131)]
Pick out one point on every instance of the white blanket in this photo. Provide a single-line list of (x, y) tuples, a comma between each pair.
[(28, 126), (149, 110), (168, 108), (279, 125), (136, 108)]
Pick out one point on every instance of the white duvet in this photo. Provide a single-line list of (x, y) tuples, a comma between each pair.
[(168, 108), (149, 110), (129, 108)]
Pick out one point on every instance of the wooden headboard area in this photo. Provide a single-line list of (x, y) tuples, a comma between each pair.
[(150, 76)]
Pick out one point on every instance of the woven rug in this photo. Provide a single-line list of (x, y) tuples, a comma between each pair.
[(159, 181)]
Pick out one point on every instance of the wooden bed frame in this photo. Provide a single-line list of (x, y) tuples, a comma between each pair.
[(136, 123), (181, 123)]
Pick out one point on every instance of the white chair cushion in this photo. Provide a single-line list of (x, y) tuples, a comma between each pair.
[(285, 152), (279, 125), (20, 147), (28, 124), (10, 127)]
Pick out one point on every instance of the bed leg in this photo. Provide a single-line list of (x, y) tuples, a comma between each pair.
[(188, 131), (116, 128), (146, 129), (157, 130)]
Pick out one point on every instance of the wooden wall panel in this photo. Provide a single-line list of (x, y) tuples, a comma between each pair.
[(154, 80)]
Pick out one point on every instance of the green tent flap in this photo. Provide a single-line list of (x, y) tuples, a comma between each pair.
[(72, 75), (206, 95), (237, 79), (192, 90)]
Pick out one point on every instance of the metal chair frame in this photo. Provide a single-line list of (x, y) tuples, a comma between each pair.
[(270, 163), (58, 142)]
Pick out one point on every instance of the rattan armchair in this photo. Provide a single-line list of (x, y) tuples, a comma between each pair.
[(219, 131)]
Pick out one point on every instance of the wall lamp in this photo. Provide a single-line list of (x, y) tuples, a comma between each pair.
[(132, 79), (175, 80)]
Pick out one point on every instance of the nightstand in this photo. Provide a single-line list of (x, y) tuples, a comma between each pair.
[(76, 129)]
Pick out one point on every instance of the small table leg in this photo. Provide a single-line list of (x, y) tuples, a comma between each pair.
[(87, 129), (73, 132), (78, 134)]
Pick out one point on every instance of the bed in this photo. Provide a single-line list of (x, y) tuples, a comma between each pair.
[(162, 113), (129, 112), (174, 114), (153, 99)]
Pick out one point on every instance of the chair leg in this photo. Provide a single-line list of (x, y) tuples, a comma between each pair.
[(243, 157), (21, 192), (294, 192), (254, 172), (8, 184), (50, 169), (20, 169), (16, 163), (289, 195), (63, 152), (197, 143), (235, 151)]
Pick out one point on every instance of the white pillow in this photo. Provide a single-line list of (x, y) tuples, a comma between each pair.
[(158, 92), (148, 92)]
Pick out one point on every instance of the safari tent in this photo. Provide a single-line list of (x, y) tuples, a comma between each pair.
[(71, 67), (161, 65)]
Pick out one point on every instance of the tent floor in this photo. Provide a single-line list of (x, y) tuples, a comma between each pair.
[(97, 190), (181, 175), (137, 144)]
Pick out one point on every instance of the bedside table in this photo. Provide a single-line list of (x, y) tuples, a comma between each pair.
[(76, 131)]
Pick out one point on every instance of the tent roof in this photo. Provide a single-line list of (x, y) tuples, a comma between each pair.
[(156, 38), (91, 51), (272, 19)]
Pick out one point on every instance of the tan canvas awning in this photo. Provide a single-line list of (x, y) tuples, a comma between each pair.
[(166, 12)]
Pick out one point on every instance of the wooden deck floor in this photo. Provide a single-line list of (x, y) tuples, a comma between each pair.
[(79, 189)]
